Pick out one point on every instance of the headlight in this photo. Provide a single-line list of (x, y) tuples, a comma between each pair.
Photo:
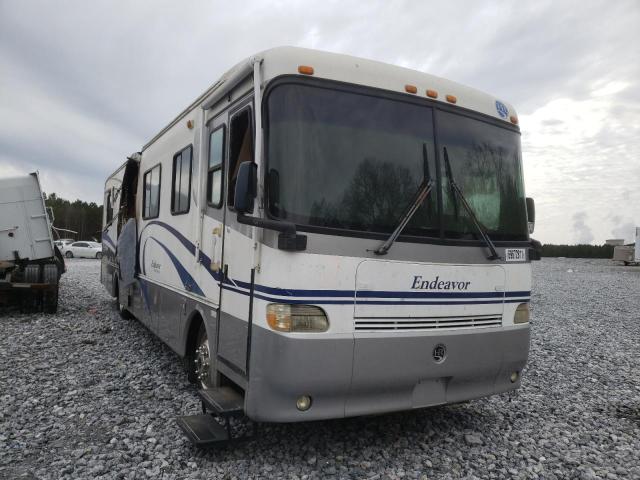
[(296, 318), (522, 313)]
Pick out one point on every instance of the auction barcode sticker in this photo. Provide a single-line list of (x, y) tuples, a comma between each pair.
[(515, 255)]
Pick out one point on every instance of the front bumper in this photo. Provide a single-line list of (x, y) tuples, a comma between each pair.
[(369, 373)]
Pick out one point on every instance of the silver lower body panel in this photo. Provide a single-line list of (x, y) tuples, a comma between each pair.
[(371, 373)]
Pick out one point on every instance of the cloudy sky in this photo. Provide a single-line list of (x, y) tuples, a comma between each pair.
[(85, 83)]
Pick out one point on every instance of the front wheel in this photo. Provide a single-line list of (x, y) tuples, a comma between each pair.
[(202, 360), (99, 255), (69, 254)]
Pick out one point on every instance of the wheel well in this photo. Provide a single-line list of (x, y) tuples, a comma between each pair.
[(192, 335)]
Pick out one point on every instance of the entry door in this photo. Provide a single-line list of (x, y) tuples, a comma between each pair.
[(210, 274), (238, 251)]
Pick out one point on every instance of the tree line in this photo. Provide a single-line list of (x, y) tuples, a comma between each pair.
[(577, 251), (81, 217)]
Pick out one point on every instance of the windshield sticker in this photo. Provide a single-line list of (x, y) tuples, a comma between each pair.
[(502, 109), (515, 255)]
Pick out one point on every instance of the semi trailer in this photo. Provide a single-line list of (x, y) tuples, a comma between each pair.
[(30, 263)]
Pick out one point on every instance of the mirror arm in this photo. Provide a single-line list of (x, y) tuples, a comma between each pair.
[(288, 238), (288, 228)]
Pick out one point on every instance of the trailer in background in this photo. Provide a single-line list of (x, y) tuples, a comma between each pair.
[(628, 254), (30, 263)]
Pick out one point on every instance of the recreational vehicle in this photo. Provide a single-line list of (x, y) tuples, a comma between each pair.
[(324, 236)]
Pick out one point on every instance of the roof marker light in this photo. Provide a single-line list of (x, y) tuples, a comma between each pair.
[(432, 94), (411, 88), (305, 69), (513, 119), (451, 99)]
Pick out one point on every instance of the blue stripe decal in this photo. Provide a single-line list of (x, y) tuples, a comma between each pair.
[(374, 293), (187, 244), (351, 301), (349, 296), (187, 280)]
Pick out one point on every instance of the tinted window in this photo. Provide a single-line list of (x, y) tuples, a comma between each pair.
[(214, 176), (240, 147), (108, 207), (181, 192), (346, 160), (80, 244), (151, 189)]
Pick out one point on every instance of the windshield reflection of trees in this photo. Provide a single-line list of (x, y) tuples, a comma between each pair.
[(490, 182), (375, 198), (380, 191)]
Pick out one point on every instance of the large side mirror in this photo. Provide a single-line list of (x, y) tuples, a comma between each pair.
[(246, 187), (531, 214)]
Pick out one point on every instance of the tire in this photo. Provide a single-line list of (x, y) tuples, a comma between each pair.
[(32, 299), (200, 371), (99, 255), (69, 254), (61, 266), (50, 297), (122, 309)]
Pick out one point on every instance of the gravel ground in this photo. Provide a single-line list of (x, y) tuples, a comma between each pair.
[(86, 394)]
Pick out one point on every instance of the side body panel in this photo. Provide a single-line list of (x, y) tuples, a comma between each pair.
[(24, 225)]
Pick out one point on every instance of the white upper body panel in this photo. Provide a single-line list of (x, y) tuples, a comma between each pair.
[(281, 61)]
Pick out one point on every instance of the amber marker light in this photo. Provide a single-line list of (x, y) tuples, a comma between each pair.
[(189, 124), (432, 94), (411, 89), (305, 69), (514, 119), (451, 98)]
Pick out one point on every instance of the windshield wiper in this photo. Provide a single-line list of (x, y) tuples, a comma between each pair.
[(422, 193), (454, 186)]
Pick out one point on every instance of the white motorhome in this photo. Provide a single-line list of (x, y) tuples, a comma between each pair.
[(329, 236)]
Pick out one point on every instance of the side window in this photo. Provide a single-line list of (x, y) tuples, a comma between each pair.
[(108, 207), (151, 192), (240, 147), (181, 191), (214, 175)]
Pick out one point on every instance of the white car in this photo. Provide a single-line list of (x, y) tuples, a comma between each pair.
[(83, 250), (63, 243)]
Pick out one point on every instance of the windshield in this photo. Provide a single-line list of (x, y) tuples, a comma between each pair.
[(355, 161)]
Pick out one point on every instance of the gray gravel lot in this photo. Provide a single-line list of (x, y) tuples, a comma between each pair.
[(86, 394)]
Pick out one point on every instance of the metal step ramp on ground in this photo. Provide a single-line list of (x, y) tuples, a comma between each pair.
[(213, 425)]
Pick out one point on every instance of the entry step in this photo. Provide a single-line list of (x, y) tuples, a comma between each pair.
[(222, 401), (203, 429)]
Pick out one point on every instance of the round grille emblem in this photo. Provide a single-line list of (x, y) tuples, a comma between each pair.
[(439, 353)]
